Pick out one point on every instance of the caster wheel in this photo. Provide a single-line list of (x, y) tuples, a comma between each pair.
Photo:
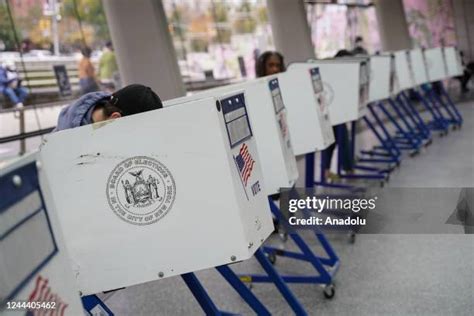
[(398, 164), (329, 291), (387, 179), (382, 184), (283, 236), (352, 237), (272, 257), (441, 135), (250, 286)]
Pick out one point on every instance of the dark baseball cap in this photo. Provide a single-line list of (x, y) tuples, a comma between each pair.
[(135, 98)]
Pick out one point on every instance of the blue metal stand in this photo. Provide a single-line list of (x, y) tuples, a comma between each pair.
[(243, 291), (405, 139), (452, 105), (93, 303), (326, 267), (439, 123), (423, 127), (455, 117), (388, 146), (419, 128)]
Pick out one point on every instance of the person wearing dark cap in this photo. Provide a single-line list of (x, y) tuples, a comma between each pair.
[(101, 106)]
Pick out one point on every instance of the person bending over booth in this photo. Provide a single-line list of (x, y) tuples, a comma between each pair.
[(101, 106)]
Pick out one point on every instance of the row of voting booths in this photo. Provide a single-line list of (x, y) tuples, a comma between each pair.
[(115, 204)]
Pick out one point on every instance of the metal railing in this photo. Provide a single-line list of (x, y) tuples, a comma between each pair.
[(19, 113)]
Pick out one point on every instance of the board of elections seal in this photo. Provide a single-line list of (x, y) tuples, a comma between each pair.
[(141, 190)]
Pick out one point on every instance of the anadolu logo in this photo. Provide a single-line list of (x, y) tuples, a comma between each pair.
[(141, 190), (328, 93)]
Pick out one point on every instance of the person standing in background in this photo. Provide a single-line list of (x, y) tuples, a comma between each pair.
[(87, 80), (359, 47), (108, 69)]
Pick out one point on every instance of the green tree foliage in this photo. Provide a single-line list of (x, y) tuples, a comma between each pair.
[(91, 13), (219, 13), (176, 21), (6, 31), (262, 15), (245, 22)]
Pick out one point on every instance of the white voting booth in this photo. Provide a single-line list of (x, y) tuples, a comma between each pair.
[(418, 66), (158, 194), (308, 113), (34, 263), (403, 70), (382, 80), (346, 84), (435, 66), (453, 62), (268, 117)]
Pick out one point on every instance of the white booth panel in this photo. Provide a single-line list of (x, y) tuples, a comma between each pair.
[(268, 117), (453, 62), (418, 65), (346, 86), (435, 64), (404, 70), (308, 113), (145, 196), (34, 263), (381, 79)]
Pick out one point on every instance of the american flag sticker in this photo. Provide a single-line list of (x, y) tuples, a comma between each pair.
[(244, 163)]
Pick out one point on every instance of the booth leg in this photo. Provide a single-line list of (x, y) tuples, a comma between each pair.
[(451, 103), (442, 105), (326, 267), (200, 294), (417, 129), (411, 136), (421, 122), (332, 260), (437, 123), (441, 123), (388, 143), (279, 283), (243, 291), (439, 98), (410, 142)]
